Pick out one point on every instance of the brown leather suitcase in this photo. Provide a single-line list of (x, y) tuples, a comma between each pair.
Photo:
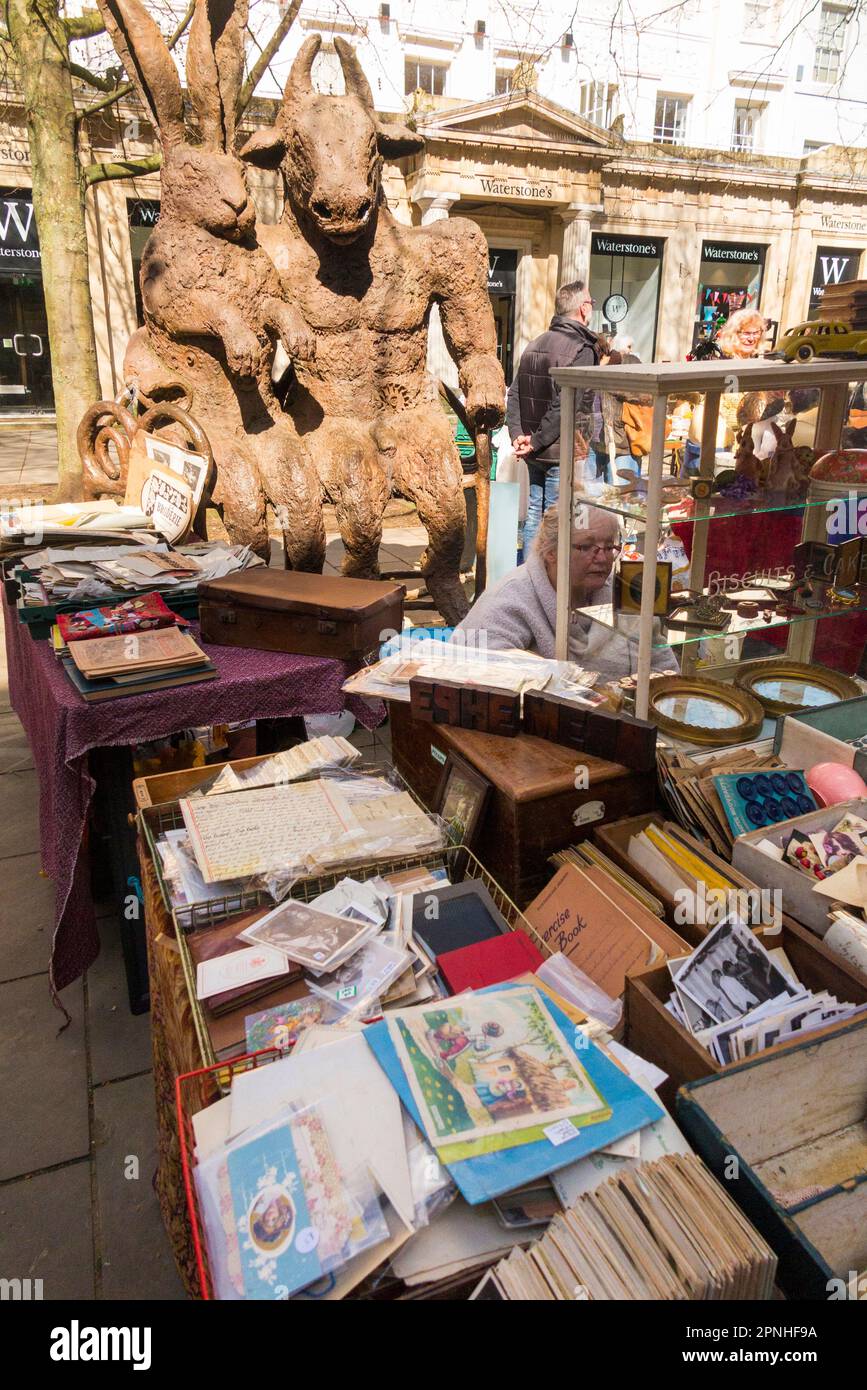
[(307, 614)]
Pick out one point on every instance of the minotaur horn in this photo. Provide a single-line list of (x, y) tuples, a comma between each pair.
[(299, 83), (356, 82)]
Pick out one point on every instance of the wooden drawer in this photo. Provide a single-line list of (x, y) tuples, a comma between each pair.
[(776, 1129), (652, 1032)]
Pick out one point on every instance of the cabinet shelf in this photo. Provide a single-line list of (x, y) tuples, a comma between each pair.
[(627, 625), (715, 509)]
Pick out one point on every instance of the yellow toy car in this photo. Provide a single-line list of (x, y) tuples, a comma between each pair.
[(817, 339)]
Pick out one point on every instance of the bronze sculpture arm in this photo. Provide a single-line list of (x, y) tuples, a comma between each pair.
[(460, 260)]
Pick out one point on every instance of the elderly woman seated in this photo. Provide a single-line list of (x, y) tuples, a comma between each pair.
[(521, 610)]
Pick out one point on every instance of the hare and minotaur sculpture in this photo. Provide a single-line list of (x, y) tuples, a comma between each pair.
[(355, 289)]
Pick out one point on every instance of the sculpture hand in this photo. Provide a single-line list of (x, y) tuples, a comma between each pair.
[(485, 394), (244, 352), (296, 335)]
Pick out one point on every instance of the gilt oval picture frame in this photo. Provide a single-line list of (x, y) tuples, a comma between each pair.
[(789, 687), (704, 711)]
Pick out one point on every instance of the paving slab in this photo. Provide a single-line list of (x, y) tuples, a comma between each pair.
[(15, 754), (26, 918), (47, 1232), (135, 1256), (120, 1042), (43, 1078), (19, 813)]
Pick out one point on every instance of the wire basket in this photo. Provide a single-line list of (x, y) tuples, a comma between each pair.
[(459, 863), (195, 1091), (154, 821)]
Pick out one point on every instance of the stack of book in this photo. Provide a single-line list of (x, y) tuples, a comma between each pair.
[(105, 668), (664, 1231)]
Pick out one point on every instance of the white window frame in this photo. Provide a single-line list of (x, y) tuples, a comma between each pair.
[(597, 103), (746, 126), (830, 43), (676, 126), (419, 61)]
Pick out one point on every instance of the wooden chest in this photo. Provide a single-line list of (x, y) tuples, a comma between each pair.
[(652, 1032), (786, 1134), (534, 808), (305, 614)]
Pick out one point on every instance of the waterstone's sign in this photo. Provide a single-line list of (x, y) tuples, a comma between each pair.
[(732, 251), (512, 188), (19, 243), (603, 245)]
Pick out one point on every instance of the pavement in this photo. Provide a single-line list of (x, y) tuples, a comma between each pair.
[(78, 1139)]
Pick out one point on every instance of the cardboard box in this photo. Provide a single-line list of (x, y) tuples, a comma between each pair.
[(793, 1120), (799, 900), (819, 736), (652, 1032)]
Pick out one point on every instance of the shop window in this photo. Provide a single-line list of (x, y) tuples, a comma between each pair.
[(745, 126), (625, 274), (830, 43), (597, 101), (143, 215), (669, 127), (730, 278), (420, 76)]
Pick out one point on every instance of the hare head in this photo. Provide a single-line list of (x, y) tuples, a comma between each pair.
[(745, 457), (202, 184)]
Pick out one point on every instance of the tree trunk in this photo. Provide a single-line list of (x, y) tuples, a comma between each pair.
[(41, 53)]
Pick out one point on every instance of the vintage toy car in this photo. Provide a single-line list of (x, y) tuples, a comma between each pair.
[(817, 339)]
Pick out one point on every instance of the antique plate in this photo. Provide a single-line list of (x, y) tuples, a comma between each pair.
[(788, 687), (704, 711)]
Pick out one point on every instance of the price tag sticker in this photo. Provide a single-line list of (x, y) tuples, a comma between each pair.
[(347, 992), (560, 1133)]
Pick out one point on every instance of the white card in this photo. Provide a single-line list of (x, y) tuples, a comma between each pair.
[(239, 968)]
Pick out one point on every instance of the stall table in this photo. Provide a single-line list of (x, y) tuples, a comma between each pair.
[(63, 729)]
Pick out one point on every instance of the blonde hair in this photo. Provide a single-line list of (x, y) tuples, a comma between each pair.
[(731, 330), (545, 544)]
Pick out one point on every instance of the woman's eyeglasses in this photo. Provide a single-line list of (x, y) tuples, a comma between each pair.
[(590, 548)]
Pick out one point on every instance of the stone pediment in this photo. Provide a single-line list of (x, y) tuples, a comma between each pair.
[(515, 118)]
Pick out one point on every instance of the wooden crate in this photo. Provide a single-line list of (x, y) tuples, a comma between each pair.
[(531, 812), (652, 1032), (779, 1125)]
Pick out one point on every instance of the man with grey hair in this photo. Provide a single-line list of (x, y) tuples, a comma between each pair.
[(533, 402), (521, 610)]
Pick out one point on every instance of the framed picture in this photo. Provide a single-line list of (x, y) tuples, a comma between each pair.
[(461, 799), (628, 583)]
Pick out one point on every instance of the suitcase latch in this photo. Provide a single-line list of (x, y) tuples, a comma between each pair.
[(327, 627), (227, 615)]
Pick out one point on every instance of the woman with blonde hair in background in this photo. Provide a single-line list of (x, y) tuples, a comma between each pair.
[(741, 336)]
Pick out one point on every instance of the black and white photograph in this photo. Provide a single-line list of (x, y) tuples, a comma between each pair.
[(731, 973)]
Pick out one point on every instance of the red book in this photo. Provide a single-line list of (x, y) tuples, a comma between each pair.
[(490, 962), (141, 613)]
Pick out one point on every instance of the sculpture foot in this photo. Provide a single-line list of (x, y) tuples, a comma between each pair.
[(448, 595)]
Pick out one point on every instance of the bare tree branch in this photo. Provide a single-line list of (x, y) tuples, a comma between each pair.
[(126, 87), (260, 67), (84, 26), (121, 169), (93, 79)]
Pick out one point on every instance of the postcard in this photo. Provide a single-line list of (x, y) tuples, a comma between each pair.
[(488, 1064), (240, 968), (731, 973), (318, 940), (282, 1025), (365, 977)]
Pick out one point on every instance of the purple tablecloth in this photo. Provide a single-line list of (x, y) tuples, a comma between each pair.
[(62, 728)]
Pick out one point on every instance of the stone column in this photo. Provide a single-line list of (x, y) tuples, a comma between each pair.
[(575, 260), (435, 206)]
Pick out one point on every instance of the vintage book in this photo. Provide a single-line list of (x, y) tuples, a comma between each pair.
[(143, 651), (213, 943), (575, 917), (237, 970), (455, 915), (112, 688), (139, 614), (502, 957)]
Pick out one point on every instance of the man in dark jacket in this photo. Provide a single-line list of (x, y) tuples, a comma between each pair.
[(533, 403)]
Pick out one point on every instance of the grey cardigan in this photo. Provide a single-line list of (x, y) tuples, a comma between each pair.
[(521, 611)]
